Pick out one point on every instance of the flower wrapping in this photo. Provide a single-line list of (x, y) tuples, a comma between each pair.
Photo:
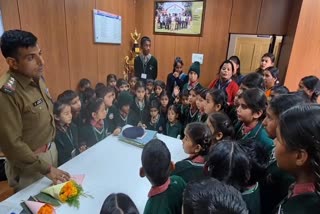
[(68, 192), (40, 208)]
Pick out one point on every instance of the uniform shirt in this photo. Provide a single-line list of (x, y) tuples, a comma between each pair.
[(66, 141), (90, 135), (274, 187), (111, 119), (141, 112), (252, 198), (258, 133), (190, 169), (145, 69), (158, 126), (173, 130), (302, 199), (166, 198), (27, 121)]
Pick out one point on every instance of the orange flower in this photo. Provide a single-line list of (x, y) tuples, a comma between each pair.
[(46, 209), (68, 191)]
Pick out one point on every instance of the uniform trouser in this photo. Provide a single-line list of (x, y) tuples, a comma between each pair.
[(21, 178)]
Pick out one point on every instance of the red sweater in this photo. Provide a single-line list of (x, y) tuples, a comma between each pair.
[(231, 90)]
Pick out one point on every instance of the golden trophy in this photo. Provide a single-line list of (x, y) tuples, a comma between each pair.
[(134, 52)]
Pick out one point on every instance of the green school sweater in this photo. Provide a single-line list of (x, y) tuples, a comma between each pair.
[(131, 119), (141, 114), (252, 199), (168, 202), (258, 133), (307, 203), (274, 188), (111, 119), (173, 130), (150, 69), (188, 170), (67, 143), (89, 136)]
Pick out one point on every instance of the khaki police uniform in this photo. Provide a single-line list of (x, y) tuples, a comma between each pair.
[(27, 129)]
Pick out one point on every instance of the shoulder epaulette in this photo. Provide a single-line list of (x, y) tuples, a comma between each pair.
[(9, 84)]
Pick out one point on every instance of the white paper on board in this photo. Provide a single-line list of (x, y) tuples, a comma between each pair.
[(197, 57)]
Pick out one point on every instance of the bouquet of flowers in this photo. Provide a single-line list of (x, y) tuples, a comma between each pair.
[(68, 192), (39, 208)]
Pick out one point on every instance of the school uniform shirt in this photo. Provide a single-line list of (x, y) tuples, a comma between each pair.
[(183, 110), (164, 112), (252, 198), (111, 119), (79, 120), (166, 199), (90, 135), (274, 187), (258, 133), (302, 199), (145, 67), (67, 143), (190, 116), (188, 86), (230, 87), (202, 117), (173, 130), (141, 111), (190, 169), (130, 119), (159, 125)]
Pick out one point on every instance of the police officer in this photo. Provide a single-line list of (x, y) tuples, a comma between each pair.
[(27, 125)]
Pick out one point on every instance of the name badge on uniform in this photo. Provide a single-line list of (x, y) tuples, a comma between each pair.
[(38, 102), (143, 76)]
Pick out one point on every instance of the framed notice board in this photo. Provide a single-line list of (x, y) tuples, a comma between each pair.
[(107, 27)]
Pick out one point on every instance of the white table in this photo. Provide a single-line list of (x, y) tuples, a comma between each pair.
[(111, 166)]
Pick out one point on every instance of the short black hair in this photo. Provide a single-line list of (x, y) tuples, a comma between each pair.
[(209, 195), (280, 89), (236, 60), (12, 40), (255, 99), (259, 159), (310, 82), (283, 102), (99, 85), (144, 40), (140, 84), (219, 96), (103, 91), (121, 82), (150, 81), (58, 106), (92, 106), (221, 123), (155, 103), (117, 203), (228, 162), (199, 134), (156, 159), (88, 94), (83, 82), (253, 80), (67, 96), (159, 83)]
